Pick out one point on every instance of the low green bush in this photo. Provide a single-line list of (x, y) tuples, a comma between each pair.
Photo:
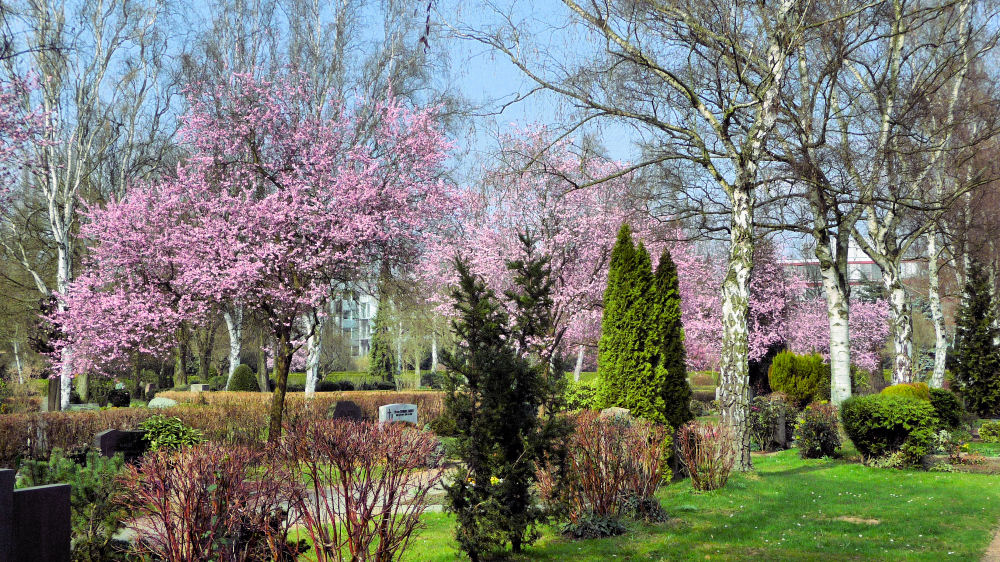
[(947, 406), (581, 395), (881, 424), (803, 378), (989, 432), (918, 390), (244, 380), (119, 398), (218, 382), (816, 432), (164, 432)]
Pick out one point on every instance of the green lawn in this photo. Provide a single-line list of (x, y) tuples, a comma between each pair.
[(790, 509)]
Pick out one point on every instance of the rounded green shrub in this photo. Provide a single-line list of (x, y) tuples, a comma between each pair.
[(164, 432), (918, 390), (816, 432), (947, 406), (989, 432), (803, 378), (244, 380), (882, 424), (581, 395)]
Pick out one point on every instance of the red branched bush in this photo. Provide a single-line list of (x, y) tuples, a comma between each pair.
[(611, 462), (367, 485), (707, 451), (209, 502)]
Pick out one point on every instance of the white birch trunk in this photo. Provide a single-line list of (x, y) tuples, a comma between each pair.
[(838, 314), (314, 346), (434, 353), (234, 325), (64, 274), (901, 323), (17, 362), (937, 314), (734, 396), (579, 364)]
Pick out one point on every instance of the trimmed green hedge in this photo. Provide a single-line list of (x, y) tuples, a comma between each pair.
[(244, 380), (918, 390), (881, 424), (803, 378)]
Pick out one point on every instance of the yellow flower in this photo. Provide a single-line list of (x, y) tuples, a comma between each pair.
[(494, 480)]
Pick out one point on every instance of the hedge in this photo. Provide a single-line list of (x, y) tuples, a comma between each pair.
[(882, 424)]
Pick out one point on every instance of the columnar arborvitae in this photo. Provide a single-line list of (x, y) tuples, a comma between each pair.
[(614, 343), (641, 360), (671, 377), (977, 357), (381, 361)]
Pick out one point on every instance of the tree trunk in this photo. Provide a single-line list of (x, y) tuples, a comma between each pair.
[(734, 395), (901, 323), (205, 345), (64, 274), (314, 346), (234, 325), (838, 314), (579, 364), (434, 353), (17, 362), (937, 314), (262, 368), (282, 360), (180, 369)]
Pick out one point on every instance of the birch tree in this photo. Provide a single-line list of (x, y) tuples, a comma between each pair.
[(915, 93), (98, 67), (702, 81)]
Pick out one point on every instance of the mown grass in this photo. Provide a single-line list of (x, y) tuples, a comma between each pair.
[(789, 509)]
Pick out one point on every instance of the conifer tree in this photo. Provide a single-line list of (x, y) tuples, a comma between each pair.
[(381, 361), (614, 342), (502, 392), (642, 359), (672, 382), (977, 357)]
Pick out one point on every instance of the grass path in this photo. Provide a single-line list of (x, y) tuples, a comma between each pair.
[(790, 509)]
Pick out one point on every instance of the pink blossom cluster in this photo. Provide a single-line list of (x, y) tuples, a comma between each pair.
[(868, 323), (275, 206)]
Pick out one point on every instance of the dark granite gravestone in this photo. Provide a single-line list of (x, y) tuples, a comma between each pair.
[(55, 394), (34, 522), (131, 444), (347, 410)]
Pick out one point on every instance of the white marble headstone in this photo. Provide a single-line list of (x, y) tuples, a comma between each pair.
[(398, 412)]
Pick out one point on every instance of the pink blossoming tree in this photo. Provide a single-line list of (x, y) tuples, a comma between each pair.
[(274, 208)]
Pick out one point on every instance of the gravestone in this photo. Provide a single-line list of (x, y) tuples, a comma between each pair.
[(781, 436), (34, 522), (398, 413), (347, 410), (616, 413), (131, 444), (55, 394), (200, 388)]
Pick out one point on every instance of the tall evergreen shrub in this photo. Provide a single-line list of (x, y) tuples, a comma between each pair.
[(641, 357), (977, 358), (503, 389), (382, 362)]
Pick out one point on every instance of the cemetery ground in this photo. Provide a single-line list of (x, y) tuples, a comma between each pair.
[(787, 509)]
